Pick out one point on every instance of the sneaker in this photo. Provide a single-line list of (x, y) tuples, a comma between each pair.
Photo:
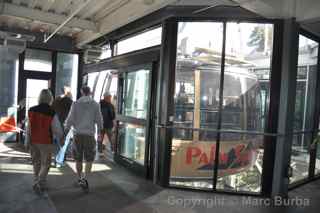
[(84, 185), (37, 189)]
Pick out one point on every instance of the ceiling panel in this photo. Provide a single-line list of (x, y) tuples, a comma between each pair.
[(95, 6)]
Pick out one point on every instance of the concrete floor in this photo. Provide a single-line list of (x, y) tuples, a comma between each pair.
[(114, 189)]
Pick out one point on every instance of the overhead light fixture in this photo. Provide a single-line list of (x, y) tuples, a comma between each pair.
[(14, 41)]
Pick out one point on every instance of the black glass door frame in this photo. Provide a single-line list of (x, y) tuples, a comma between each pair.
[(314, 131), (24, 75), (119, 64), (146, 123), (167, 87)]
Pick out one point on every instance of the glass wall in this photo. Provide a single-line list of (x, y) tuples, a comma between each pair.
[(106, 52), (92, 79), (67, 73), (317, 169), (135, 108), (304, 103), (38, 60), (132, 140), (197, 87), (9, 69), (248, 48), (198, 105), (34, 87), (99, 86), (135, 101), (143, 40)]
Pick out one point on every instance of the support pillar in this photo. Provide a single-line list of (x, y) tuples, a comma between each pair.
[(286, 107)]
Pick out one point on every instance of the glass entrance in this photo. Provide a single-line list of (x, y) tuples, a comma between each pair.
[(34, 87), (133, 131)]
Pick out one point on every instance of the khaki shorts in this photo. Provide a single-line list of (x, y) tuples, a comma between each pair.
[(84, 146)]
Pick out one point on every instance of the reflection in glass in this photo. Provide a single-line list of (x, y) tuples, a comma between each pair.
[(143, 40), (244, 104), (135, 100), (132, 142), (67, 73), (38, 60), (305, 95)]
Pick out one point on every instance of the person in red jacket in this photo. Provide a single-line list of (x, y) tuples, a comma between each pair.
[(43, 124)]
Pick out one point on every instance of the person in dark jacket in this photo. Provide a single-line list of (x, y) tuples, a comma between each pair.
[(61, 106), (108, 114)]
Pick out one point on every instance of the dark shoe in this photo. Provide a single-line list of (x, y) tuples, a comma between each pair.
[(37, 189), (84, 185)]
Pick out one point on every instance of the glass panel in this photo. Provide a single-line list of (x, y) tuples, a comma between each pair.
[(136, 95), (67, 73), (141, 41), (300, 157), (240, 162), (34, 88), (106, 52), (9, 69), (192, 162), (92, 80), (304, 106), (246, 79), (132, 142), (196, 97), (38, 60), (317, 169), (245, 104), (111, 86), (85, 80), (99, 87), (306, 80)]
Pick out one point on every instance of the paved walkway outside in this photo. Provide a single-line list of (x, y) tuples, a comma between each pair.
[(114, 189)]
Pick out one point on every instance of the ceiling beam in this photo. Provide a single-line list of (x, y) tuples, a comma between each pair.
[(115, 19), (51, 18)]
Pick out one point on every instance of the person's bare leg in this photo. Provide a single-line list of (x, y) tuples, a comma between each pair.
[(79, 169), (88, 167)]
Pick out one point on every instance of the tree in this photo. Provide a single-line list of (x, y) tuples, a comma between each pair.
[(257, 38)]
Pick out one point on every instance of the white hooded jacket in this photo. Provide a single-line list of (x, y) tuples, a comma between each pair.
[(83, 116)]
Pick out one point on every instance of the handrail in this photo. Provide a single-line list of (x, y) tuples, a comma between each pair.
[(237, 131)]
